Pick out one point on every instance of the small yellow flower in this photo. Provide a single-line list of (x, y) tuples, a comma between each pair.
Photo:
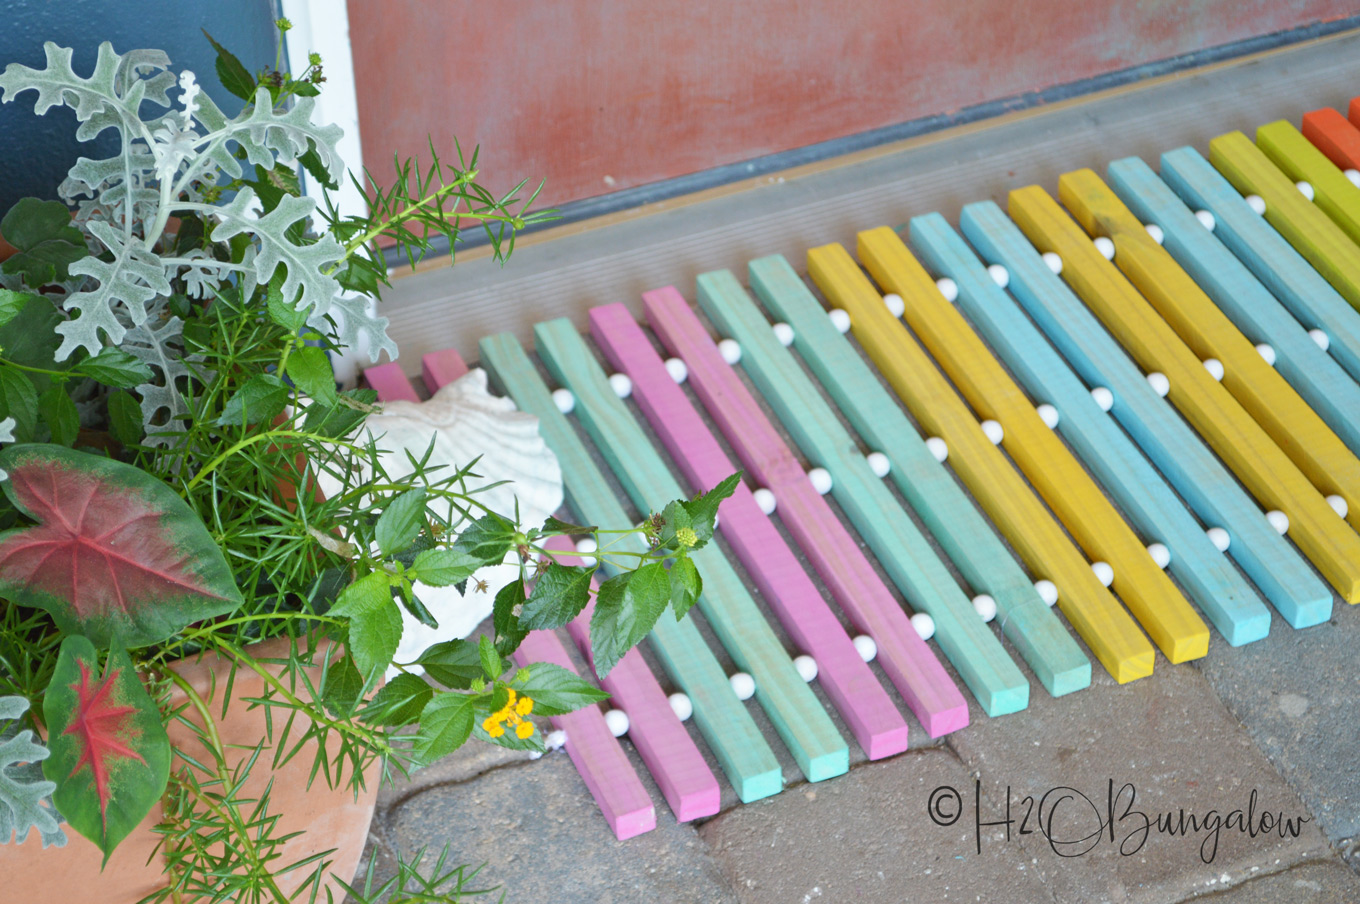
[(491, 722), (686, 537), (496, 730), (524, 706), (524, 729)]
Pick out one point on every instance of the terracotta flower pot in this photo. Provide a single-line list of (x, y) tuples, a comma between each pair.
[(330, 818)]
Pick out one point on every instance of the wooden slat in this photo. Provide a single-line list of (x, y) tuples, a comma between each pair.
[(438, 368), (1052, 469), (1334, 136), (1306, 227), (390, 383), (1316, 376), (841, 672), (908, 661), (1298, 159), (904, 552), (1278, 570), (1353, 112), (1142, 493), (731, 733), (969, 541), (794, 710), (1275, 481), (1290, 278)]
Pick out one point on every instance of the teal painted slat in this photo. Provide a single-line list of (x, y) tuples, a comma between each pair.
[(731, 733), (950, 516), (793, 708), (1143, 495), (1281, 574), (1291, 279), (965, 639)]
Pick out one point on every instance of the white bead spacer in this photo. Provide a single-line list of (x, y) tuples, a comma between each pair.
[(1215, 368), (896, 306), (1321, 338), (948, 288), (784, 333), (1278, 520), (984, 606), (1159, 383), (1053, 261), (1338, 505), (821, 480), (924, 625), (878, 463), (1353, 175), (564, 400), (1048, 592), (1048, 414), (555, 739), (938, 447), (1256, 203), (681, 705), (743, 685), (993, 431), (730, 350), (765, 499), (1104, 573), (1105, 247), (1267, 352), (806, 666), (1156, 232), (1000, 275), (840, 319), (865, 646), (678, 370), (1160, 554), (1103, 397), (1206, 219), (585, 549), (621, 384), (1219, 537), (1305, 189), (617, 720)]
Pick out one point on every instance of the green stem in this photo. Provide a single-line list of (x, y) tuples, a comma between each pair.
[(35, 370)]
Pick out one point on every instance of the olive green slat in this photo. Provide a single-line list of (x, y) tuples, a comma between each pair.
[(1303, 162)]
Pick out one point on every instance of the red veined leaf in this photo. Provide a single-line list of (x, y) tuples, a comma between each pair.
[(110, 754), (114, 553)]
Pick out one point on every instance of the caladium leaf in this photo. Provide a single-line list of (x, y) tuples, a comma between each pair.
[(110, 754), (114, 552)]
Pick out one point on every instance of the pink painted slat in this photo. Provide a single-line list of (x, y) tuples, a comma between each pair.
[(909, 662), (438, 368), (689, 786), (390, 383), (852, 686)]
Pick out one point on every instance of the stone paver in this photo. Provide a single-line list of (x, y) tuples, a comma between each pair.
[(1327, 882)]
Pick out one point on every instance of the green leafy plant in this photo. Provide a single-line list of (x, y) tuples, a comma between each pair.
[(169, 407)]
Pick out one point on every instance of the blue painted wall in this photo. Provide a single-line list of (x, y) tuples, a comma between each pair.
[(37, 151)]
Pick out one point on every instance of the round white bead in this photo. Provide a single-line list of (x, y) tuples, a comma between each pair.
[(617, 720), (621, 384), (1048, 414), (938, 447), (1104, 573), (1000, 275), (1048, 591), (1054, 262), (896, 306), (806, 666), (730, 350), (1103, 397), (879, 464), (1256, 203), (985, 607), (1305, 189), (678, 370), (1206, 219), (924, 625), (1219, 537), (1354, 176), (993, 431), (865, 646), (1160, 554), (1159, 383), (1267, 352), (840, 319), (1338, 505), (1105, 247), (1215, 368), (743, 685), (564, 400), (948, 288), (1321, 338), (1278, 520), (681, 705), (555, 739), (1156, 232), (765, 499), (584, 549), (821, 480), (784, 333)]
